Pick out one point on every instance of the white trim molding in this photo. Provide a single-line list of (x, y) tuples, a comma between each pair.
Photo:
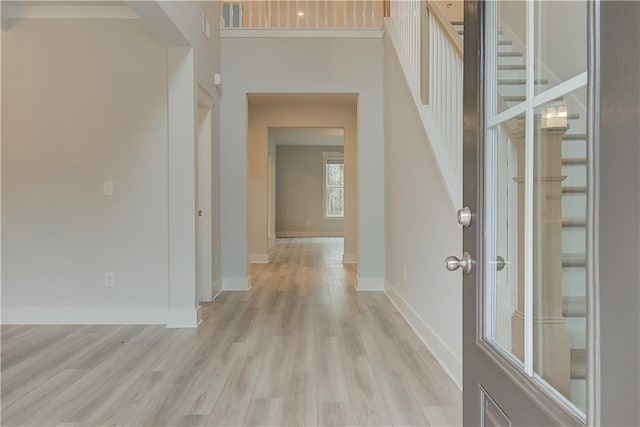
[(85, 315), (216, 295), (372, 33), (240, 283), (450, 361), (369, 284), (258, 259), (184, 318), (216, 288), (349, 258), (307, 234)]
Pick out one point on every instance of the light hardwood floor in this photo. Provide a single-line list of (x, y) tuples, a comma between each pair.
[(303, 347)]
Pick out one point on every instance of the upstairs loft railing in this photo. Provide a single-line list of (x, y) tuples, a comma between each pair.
[(430, 51), (285, 14)]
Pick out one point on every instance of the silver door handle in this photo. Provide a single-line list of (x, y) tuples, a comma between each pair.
[(500, 263), (464, 216), (453, 263)]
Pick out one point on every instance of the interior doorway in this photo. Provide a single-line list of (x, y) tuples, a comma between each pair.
[(309, 196), (302, 171)]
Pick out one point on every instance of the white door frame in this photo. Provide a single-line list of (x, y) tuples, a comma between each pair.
[(204, 196)]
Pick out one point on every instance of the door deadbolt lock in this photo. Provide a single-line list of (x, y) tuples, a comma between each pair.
[(464, 216), (453, 263)]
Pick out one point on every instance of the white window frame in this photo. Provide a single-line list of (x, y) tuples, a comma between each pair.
[(327, 157)]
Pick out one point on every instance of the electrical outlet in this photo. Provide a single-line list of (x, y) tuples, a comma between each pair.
[(107, 188), (109, 280), (404, 274)]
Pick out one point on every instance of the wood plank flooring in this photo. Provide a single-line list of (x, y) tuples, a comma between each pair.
[(303, 347)]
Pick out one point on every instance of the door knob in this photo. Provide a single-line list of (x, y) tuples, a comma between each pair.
[(453, 263), (500, 263), (464, 216)]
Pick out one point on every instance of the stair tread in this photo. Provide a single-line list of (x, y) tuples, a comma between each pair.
[(521, 81), (510, 54), (575, 137), (574, 161), (505, 42), (574, 189), (574, 260), (574, 222), (457, 22), (578, 363), (574, 306), (511, 67), (514, 98)]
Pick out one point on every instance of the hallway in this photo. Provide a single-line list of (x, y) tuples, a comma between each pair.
[(303, 347)]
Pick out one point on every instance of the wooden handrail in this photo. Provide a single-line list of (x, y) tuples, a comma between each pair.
[(447, 28)]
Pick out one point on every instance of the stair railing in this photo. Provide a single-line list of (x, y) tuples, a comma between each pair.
[(431, 54), (302, 14)]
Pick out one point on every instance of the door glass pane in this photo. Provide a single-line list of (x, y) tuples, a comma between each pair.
[(559, 253), (504, 241), (507, 38), (560, 42)]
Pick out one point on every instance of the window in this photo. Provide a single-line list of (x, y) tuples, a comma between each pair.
[(333, 185)]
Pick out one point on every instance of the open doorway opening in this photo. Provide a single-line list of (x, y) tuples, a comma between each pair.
[(302, 172), (309, 192)]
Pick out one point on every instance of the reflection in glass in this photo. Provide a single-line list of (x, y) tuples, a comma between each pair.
[(561, 42), (508, 47), (559, 260), (504, 204)]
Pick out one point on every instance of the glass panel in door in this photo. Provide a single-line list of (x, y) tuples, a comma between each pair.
[(504, 245), (560, 241)]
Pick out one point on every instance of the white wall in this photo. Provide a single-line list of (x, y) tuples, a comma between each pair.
[(133, 114), (303, 65), (421, 228), (192, 61), (300, 193), (305, 115), (80, 107)]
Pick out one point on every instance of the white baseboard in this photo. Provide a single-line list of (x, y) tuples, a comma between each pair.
[(216, 295), (187, 318), (272, 235), (450, 361), (350, 258), (258, 259), (208, 295), (307, 234), (217, 288), (367, 284), (85, 315), (235, 283)]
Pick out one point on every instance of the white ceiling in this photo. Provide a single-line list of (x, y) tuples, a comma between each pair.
[(307, 136)]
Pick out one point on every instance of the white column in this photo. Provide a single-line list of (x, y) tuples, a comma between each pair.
[(183, 309)]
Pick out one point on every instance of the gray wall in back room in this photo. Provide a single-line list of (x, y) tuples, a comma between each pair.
[(299, 193)]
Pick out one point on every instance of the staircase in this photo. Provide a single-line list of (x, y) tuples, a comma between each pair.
[(405, 18), (511, 88)]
